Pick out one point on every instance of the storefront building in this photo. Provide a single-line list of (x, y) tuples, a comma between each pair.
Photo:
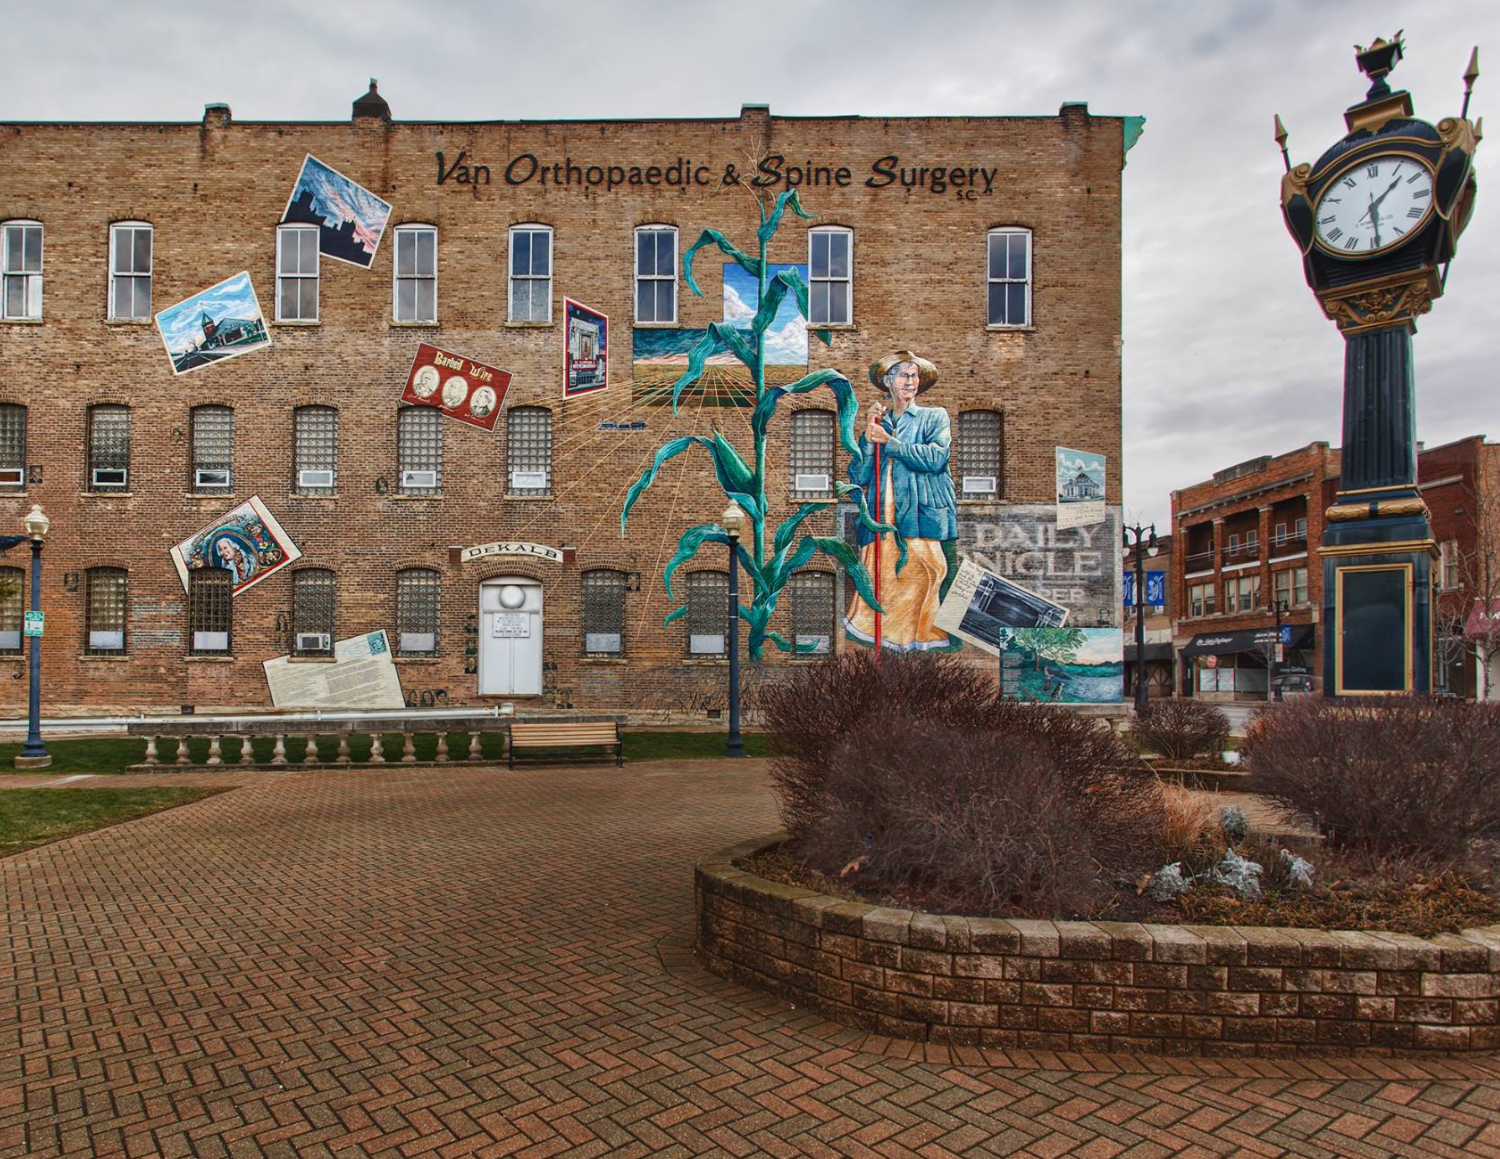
[(484, 537)]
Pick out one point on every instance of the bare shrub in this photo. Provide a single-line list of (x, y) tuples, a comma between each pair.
[(1386, 777), (946, 790), (1180, 728)]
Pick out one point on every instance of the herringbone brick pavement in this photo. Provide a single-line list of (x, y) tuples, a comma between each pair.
[(443, 963)]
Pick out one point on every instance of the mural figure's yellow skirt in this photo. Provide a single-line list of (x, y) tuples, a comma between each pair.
[(910, 600)]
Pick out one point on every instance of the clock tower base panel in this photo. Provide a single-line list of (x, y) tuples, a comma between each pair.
[(1377, 606)]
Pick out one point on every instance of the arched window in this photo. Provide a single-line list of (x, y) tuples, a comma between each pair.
[(213, 450), (707, 613), (107, 595), (12, 447), (603, 616), (529, 448), (12, 605), (313, 591), (419, 595), (210, 600), (812, 454), (109, 448), (812, 612), (315, 450), (656, 274), (419, 450), (978, 454)]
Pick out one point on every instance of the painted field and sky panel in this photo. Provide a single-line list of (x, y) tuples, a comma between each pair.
[(215, 324), (1063, 665), (786, 337), (350, 219)]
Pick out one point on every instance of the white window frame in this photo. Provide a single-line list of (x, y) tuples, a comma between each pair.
[(1009, 231), (511, 276), (283, 231), (656, 230), (148, 276), (847, 281), (413, 230), (32, 311)]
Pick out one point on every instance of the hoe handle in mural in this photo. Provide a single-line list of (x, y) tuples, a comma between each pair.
[(768, 569)]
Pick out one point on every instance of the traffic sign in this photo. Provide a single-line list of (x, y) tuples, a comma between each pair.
[(34, 623)]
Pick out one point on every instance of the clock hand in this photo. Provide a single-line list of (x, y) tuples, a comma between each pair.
[(1386, 194)]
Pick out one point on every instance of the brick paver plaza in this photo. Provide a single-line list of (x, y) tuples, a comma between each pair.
[(408, 962)]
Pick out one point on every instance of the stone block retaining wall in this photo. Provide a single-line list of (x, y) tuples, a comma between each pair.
[(1098, 986)]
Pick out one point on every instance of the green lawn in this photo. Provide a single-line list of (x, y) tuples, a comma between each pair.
[(31, 817), (112, 754)]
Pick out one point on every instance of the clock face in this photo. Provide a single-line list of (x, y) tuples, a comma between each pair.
[(1374, 204)]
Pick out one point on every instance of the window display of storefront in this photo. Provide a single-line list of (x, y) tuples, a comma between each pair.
[(1238, 665)]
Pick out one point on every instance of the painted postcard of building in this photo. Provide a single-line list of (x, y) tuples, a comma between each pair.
[(215, 324), (247, 541), (585, 349), (1063, 665), (350, 219), (1080, 487)]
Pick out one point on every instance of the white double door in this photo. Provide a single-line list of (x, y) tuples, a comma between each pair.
[(510, 637)]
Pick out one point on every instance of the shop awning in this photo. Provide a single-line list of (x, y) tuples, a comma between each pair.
[(1153, 652), (1248, 640)]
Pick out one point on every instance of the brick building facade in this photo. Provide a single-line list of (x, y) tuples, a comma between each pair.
[(493, 224)]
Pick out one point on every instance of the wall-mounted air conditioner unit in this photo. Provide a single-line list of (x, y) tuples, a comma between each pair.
[(528, 480), (315, 478), (411, 480), (12, 476), (980, 484), (210, 477), (110, 476), (811, 482), (313, 642)]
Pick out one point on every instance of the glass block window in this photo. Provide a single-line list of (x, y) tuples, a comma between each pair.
[(209, 603), (604, 613), (130, 271), (297, 273), (315, 450), (419, 595), (21, 270), (312, 612), (530, 273), (213, 450), (109, 448), (812, 454), (415, 293), (977, 454), (12, 604), (1010, 277), (107, 595), (12, 447), (812, 612), (707, 613), (529, 437), (419, 450), (656, 273), (830, 267)]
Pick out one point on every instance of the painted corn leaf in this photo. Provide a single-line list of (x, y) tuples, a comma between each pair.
[(788, 527), (844, 397), (734, 473), (773, 222), (770, 302), (648, 476), (793, 281), (748, 562), (714, 237), (674, 614), (717, 337), (687, 547), (838, 550), (869, 523)]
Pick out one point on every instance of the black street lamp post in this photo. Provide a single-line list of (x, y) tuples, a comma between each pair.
[(733, 519), (1278, 607), (1143, 536), (33, 754)]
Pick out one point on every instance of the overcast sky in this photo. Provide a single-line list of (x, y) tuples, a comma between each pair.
[(1226, 353)]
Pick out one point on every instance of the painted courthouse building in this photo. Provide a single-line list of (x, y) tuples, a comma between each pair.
[(988, 245)]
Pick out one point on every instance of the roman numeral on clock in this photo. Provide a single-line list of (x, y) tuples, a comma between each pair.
[(1335, 234), (1417, 176), (1352, 243), (1419, 194), (1349, 181), (1415, 211), (1372, 171)]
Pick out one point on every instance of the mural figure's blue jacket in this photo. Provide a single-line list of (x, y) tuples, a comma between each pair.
[(926, 507)]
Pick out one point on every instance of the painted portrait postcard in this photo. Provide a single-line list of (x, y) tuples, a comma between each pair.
[(214, 325), (247, 540), (586, 349), (463, 389), (350, 219)]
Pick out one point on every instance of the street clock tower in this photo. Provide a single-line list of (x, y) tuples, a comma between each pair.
[(1377, 220)]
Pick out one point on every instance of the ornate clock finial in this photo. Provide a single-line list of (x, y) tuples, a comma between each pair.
[(1281, 141), (1376, 61), (1471, 74)]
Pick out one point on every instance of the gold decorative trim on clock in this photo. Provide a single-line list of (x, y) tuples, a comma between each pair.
[(1379, 303)]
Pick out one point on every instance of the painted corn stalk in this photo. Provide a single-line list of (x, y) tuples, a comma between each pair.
[(769, 564)]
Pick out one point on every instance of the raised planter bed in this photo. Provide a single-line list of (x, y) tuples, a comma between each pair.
[(1098, 986)]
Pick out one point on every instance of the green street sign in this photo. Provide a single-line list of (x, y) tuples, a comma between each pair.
[(34, 623)]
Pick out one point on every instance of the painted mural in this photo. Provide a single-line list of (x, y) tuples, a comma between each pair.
[(585, 349), (1062, 665), (980, 607), (350, 219), (902, 469), (1080, 487), (463, 389), (769, 560), (247, 540), (214, 325)]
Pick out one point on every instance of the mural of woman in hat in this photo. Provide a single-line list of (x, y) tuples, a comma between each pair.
[(916, 494)]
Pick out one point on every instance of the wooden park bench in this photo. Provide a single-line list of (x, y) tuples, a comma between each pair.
[(566, 734)]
